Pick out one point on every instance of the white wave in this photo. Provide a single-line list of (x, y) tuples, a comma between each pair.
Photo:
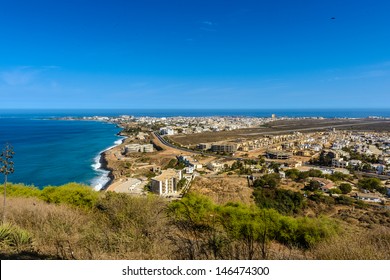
[(99, 182), (97, 163)]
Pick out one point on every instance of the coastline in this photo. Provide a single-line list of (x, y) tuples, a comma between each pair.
[(102, 165)]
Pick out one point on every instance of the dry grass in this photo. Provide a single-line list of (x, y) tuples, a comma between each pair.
[(124, 228), (373, 244), (283, 127), (223, 190)]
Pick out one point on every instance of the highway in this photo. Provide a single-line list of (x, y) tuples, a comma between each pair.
[(166, 143)]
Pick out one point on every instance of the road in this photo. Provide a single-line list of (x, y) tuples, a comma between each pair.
[(166, 143)]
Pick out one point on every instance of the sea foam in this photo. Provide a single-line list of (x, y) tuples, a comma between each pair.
[(102, 179)]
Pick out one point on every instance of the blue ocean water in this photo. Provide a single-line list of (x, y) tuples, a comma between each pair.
[(304, 112), (55, 152)]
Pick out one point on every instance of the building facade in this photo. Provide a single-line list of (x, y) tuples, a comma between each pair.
[(166, 182)]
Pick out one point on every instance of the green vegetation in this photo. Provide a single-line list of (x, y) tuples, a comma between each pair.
[(284, 201), (174, 163), (363, 157), (269, 180), (75, 222), (182, 182), (72, 194), (236, 231), (240, 167), (132, 130), (6, 168), (371, 184), (325, 159), (337, 176), (345, 188), (293, 174), (298, 176), (14, 237), (313, 186)]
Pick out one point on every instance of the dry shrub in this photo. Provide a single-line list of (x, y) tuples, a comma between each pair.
[(132, 227), (121, 227), (371, 244), (56, 228)]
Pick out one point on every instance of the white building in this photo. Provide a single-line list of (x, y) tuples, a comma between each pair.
[(215, 166), (167, 131), (166, 182), (339, 163), (138, 148)]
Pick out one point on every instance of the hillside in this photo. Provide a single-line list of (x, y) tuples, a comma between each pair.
[(74, 222)]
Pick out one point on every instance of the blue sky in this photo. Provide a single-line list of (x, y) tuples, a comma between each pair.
[(195, 54)]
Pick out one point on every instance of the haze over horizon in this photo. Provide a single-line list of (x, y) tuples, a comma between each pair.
[(194, 54)]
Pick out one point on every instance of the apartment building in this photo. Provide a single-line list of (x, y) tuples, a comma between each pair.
[(339, 162), (138, 148), (224, 147), (166, 182)]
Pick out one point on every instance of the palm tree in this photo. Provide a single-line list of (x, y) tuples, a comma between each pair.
[(6, 167)]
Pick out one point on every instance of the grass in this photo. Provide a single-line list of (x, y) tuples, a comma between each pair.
[(96, 225)]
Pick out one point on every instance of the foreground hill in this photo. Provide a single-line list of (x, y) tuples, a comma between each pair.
[(75, 222)]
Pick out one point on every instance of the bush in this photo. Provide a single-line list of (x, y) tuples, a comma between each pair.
[(345, 188), (335, 191), (313, 186), (269, 180), (13, 237), (293, 173), (320, 198), (20, 190), (72, 194), (337, 176), (371, 184), (344, 200), (284, 201), (312, 231)]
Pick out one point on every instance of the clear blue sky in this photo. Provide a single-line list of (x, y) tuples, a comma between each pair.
[(195, 54)]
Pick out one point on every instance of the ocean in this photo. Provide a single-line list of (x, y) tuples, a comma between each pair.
[(55, 152)]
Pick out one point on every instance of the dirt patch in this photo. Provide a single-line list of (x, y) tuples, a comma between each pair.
[(283, 127), (223, 190)]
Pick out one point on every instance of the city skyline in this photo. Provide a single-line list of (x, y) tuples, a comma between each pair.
[(194, 54)]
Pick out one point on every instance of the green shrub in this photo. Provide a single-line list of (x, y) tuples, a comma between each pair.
[(344, 200), (72, 194), (345, 188), (284, 201), (312, 231), (20, 190), (13, 237), (269, 180), (371, 184)]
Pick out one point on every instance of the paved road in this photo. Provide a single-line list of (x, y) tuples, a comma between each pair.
[(166, 143)]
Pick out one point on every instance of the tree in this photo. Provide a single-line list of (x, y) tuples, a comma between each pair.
[(6, 167), (292, 173), (345, 188), (313, 186), (274, 166), (372, 184), (269, 180)]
